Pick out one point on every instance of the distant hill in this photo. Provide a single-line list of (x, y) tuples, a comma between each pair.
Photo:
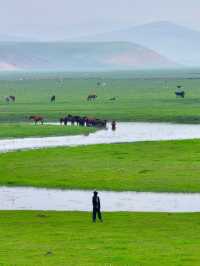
[(78, 56), (170, 40)]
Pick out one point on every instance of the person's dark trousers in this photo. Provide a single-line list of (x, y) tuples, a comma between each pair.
[(95, 213)]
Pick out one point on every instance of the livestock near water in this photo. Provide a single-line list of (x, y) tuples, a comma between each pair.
[(113, 124), (91, 97), (180, 94), (83, 121), (95, 122), (37, 119), (53, 99), (79, 121)]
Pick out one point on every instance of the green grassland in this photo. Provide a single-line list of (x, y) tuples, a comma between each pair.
[(70, 238), (166, 166), (22, 130), (138, 99)]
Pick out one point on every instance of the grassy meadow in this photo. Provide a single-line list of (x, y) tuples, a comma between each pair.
[(70, 238), (23, 130), (165, 166), (138, 97)]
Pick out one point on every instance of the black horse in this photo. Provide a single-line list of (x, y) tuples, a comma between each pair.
[(180, 94), (71, 119), (53, 99), (91, 97)]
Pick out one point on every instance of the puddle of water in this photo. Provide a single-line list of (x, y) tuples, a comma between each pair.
[(125, 132), (23, 198)]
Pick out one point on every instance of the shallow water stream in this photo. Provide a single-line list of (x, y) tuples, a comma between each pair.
[(26, 198), (125, 132)]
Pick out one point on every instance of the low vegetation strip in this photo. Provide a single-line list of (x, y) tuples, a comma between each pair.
[(23, 130), (55, 238), (165, 166)]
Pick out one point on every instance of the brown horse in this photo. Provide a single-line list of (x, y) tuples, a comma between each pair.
[(37, 119)]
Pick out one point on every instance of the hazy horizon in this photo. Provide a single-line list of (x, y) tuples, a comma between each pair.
[(53, 20)]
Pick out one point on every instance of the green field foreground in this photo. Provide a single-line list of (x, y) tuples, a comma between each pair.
[(23, 130), (70, 238), (165, 166), (137, 99)]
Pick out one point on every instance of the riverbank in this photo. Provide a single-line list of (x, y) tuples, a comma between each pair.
[(26, 130), (163, 166), (55, 238)]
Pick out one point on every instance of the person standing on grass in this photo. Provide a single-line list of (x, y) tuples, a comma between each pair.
[(96, 207)]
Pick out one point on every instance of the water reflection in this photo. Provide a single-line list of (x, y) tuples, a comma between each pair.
[(23, 198)]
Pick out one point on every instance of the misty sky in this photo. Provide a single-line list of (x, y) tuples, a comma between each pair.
[(69, 18)]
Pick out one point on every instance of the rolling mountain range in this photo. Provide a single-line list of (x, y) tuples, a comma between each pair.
[(175, 42), (153, 45), (78, 56)]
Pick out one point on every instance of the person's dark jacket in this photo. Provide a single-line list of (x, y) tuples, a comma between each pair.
[(96, 203)]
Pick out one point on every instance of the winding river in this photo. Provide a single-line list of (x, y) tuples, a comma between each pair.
[(25, 198), (125, 132)]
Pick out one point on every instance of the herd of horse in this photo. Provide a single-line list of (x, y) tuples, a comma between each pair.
[(74, 120), (83, 121), (90, 97)]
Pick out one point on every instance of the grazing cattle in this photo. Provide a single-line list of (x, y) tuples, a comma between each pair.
[(7, 99), (53, 99), (180, 94), (91, 97), (10, 98), (37, 119)]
